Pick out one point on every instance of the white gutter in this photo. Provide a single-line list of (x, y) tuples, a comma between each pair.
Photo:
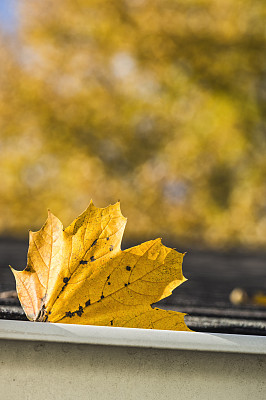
[(131, 337), (64, 362)]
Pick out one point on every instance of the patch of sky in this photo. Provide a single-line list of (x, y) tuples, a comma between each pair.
[(8, 16)]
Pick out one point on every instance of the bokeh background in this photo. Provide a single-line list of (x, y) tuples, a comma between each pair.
[(158, 103)]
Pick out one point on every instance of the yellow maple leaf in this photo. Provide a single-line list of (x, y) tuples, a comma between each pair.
[(80, 274)]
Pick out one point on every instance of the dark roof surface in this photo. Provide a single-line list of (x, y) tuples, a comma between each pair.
[(205, 296)]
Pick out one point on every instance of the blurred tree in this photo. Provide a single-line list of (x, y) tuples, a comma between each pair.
[(160, 103)]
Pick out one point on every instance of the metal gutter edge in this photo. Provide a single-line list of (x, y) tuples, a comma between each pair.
[(133, 337)]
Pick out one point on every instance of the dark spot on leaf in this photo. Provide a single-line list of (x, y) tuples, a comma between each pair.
[(28, 268), (128, 268), (65, 280), (92, 258), (49, 312), (94, 243), (108, 283), (80, 311), (69, 314), (125, 284), (112, 322), (107, 238), (88, 302), (111, 248), (108, 277), (83, 262), (102, 296)]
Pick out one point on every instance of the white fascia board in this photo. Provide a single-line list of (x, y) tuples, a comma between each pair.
[(145, 338)]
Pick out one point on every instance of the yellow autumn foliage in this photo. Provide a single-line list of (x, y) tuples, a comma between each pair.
[(153, 102)]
